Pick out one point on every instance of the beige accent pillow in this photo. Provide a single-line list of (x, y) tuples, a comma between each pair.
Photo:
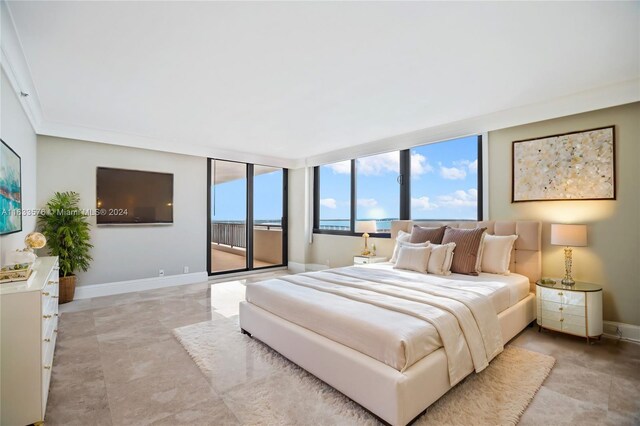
[(403, 237), (413, 258), (441, 258), (496, 253), (421, 234)]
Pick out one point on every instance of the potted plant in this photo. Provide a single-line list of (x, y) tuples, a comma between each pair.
[(67, 231)]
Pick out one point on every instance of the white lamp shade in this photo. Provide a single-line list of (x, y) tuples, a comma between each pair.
[(368, 226), (569, 235)]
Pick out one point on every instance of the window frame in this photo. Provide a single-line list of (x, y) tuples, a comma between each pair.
[(404, 180)]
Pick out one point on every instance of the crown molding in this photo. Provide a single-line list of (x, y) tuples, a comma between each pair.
[(589, 100), (16, 68), (172, 146)]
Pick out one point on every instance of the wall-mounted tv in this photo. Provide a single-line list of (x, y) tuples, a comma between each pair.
[(133, 197)]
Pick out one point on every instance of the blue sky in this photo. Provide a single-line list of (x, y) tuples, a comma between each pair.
[(230, 198), (443, 184)]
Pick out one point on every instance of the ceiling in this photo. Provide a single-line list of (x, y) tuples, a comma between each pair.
[(285, 82)]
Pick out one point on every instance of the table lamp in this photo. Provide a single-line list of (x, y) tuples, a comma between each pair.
[(568, 236), (366, 227)]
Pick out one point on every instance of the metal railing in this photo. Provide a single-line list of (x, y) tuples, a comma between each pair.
[(234, 234)]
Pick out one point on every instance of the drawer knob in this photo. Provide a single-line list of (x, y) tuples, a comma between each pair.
[(45, 293), (51, 282), (47, 340), (561, 319), (561, 308), (47, 367), (56, 315), (46, 316), (54, 297), (55, 330), (559, 293)]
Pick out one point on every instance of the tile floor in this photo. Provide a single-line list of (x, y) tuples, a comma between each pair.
[(117, 363)]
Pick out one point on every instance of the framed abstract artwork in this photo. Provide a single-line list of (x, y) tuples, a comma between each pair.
[(10, 190), (571, 166)]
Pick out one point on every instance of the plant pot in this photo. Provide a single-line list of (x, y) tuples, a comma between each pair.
[(67, 287)]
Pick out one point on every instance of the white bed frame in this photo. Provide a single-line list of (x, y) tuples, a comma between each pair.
[(395, 397)]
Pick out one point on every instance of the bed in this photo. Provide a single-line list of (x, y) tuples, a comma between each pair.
[(396, 341)]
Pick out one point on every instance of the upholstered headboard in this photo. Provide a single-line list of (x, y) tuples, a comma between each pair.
[(526, 257)]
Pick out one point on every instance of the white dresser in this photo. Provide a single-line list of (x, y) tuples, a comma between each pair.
[(29, 326), (575, 309)]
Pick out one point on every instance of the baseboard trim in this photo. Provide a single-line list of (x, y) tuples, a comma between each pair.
[(628, 332), (121, 287)]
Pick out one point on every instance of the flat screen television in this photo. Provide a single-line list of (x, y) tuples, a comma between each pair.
[(133, 197)]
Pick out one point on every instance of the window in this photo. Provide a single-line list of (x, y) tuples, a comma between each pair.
[(444, 180), (436, 181), (333, 204), (378, 189)]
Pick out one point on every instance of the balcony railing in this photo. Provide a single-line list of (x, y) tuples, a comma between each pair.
[(234, 234)]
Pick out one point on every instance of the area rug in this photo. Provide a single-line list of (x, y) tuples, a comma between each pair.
[(262, 387)]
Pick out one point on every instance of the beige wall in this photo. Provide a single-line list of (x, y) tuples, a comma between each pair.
[(123, 253), (16, 131), (612, 256)]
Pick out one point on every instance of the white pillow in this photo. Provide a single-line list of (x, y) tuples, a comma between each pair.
[(496, 253), (413, 258), (403, 237), (441, 258)]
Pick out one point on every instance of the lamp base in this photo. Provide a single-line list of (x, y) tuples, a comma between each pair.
[(567, 282)]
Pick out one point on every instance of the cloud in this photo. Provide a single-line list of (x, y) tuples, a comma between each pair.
[(329, 203), (419, 165), (452, 173), (459, 198), (342, 167), (471, 165), (422, 203), (378, 164), (367, 202)]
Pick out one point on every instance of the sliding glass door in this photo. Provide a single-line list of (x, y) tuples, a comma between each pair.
[(247, 217)]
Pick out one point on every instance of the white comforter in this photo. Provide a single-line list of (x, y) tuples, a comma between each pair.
[(393, 317)]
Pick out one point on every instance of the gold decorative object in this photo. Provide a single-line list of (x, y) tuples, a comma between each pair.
[(568, 236), (366, 227)]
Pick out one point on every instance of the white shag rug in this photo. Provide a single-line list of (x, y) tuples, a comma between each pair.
[(262, 387)]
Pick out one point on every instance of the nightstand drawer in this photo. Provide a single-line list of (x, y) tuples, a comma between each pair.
[(566, 297), (561, 307), (577, 329), (360, 260), (552, 324)]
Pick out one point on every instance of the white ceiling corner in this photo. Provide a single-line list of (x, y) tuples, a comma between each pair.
[(294, 84)]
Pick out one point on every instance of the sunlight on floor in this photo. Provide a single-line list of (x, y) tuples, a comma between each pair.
[(226, 296)]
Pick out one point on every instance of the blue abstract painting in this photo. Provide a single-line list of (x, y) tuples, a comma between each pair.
[(10, 191)]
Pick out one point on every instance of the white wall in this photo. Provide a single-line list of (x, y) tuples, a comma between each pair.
[(123, 253), (16, 131)]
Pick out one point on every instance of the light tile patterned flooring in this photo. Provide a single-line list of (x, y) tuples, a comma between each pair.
[(117, 363)]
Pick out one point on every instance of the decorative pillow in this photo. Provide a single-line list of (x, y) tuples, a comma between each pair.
[(496, 253), (401, 244), (440, 259), (402, 237), (467, 241), (413, 258), (420, 234)]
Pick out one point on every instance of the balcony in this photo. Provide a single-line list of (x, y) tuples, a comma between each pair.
[(229, 245)]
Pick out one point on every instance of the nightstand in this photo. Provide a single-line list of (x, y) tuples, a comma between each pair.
[(365, 260), (575, 309)]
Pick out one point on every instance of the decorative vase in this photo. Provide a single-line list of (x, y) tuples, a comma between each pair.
[(67, 286)]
